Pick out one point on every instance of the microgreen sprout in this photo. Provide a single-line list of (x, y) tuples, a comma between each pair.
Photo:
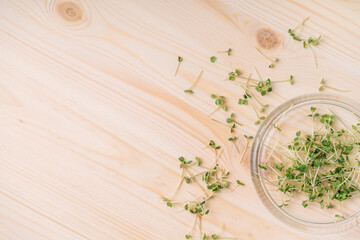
[(232, 127), (233, 75), (232, 120), (184, 163), (227, 51), (339, 217), (292, 34), (277, 127), (243, 101), (248, 137), (312, 41), (180, 59), (220, 102), (272, 60), (238, 183), (292, 31), (213, 145), (213, 59), (323, 85), (262, 166), (249, 94), (259, 118), (290, 80), (168, 202), (198, 161), (233, 139), (190, 89), (262, 106), (307, 43), (284, 203)]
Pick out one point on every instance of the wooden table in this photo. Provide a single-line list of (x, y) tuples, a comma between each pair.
[(93, 118)]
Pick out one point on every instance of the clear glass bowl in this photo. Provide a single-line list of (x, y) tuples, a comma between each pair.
[(291, 116)]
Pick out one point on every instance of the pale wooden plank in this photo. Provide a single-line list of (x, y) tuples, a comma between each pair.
[(93, 103)]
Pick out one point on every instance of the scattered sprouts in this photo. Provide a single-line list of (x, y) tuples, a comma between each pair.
[(210, 181)]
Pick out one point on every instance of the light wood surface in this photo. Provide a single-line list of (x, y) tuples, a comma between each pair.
[(93, 118)]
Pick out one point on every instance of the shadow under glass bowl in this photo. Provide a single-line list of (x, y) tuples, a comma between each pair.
[(291, 117)]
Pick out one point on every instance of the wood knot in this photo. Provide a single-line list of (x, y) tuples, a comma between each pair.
[(267, 38), (69, 11)]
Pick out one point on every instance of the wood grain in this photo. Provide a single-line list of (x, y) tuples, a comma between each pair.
[(93, 118)]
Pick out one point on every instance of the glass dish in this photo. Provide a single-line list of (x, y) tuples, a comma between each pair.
[(291, 116)]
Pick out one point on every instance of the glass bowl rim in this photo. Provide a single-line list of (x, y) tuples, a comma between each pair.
[(255, 171)]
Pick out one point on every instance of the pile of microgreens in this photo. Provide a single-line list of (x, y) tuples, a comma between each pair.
[(322, 165), (210, 181)]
